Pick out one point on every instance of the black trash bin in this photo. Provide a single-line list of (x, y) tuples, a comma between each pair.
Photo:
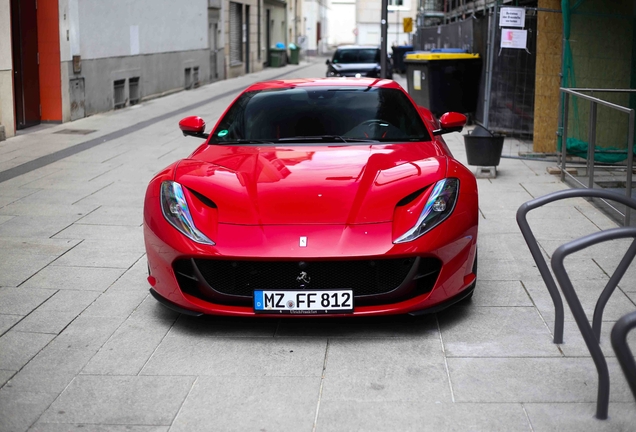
[(398, 57), (444, 82), (483, 148)]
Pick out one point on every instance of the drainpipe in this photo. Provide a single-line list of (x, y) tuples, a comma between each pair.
[(383, 36)]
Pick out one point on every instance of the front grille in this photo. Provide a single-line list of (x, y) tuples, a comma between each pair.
[(364, 277), (379, 281)]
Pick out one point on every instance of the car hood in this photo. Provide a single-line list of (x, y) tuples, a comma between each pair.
[(309, 185)]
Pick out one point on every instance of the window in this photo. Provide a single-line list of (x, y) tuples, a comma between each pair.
[(236, 33), (357, 55), (133, 90), (119, 87), (195, 76), (402, 5), (188, 78), (298, 114)]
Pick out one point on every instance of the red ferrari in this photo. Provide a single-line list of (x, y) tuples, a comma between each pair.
[(315, 197)]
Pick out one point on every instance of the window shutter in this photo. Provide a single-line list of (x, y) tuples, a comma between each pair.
[(236, 29)]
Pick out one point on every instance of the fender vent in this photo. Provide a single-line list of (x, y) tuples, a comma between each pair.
[(205, 200), (411, 197)]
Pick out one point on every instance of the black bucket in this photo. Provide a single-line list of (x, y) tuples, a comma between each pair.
[(483, 148)]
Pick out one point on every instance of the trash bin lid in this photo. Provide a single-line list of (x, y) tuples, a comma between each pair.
[(439, 56), (448, 50)]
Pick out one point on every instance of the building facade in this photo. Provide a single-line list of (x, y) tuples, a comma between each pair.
[(342, 22), (61, 60), (369, 14), (314, 27)]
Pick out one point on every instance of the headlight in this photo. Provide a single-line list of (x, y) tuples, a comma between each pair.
[(333, 73), (175, 209), (439, 206)]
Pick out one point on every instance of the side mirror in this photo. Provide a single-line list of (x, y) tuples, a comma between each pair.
[(328, 62), (451, 122), (193, 126)]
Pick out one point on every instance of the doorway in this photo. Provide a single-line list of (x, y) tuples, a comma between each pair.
[(26, 70)]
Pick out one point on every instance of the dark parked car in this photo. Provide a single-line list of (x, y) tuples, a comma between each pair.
[(357, 61)]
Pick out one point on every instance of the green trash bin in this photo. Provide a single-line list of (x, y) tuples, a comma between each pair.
[(294, 54), (444, 82), (277, 57)]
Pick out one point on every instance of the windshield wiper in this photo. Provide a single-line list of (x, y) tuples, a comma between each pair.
[(325, 138)]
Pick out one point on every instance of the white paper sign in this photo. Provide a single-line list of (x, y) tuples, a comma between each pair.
[(514, 38), (512, 17), (417, 80)]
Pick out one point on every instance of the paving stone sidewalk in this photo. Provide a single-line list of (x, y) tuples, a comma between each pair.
[(83, 345)]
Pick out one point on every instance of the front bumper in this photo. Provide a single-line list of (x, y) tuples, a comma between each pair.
[(439, 265)]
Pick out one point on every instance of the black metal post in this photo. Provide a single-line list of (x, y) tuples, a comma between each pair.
[(383, 35), (580, 317), (542, 266), (623, 353)]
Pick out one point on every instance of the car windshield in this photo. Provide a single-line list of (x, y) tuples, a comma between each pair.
[(309, 114), (357, 55)]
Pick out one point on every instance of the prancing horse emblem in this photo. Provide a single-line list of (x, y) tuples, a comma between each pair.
[(303, 241), (303, 278)]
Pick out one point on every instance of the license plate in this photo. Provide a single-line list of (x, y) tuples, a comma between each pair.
[(303, 302)]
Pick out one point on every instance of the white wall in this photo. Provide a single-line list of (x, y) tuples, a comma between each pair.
[(315, 11), (369, 14), (342, 22), (278, 25), (310, 18), (115, 28), (6, 70), (395, 33), (5, 35), (368, 34)]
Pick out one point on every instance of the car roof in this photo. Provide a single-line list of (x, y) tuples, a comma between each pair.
[(330, 82)]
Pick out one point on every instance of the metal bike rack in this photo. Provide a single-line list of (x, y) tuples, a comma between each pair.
[(533, 245), (592, 336), (623, 353)]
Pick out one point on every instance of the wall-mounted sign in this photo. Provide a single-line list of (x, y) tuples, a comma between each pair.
[(407, 24), (512, 17), (514, 38)]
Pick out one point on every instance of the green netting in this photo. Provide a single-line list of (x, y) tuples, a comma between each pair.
[(575, 145), (579, 148), (568, 79)]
